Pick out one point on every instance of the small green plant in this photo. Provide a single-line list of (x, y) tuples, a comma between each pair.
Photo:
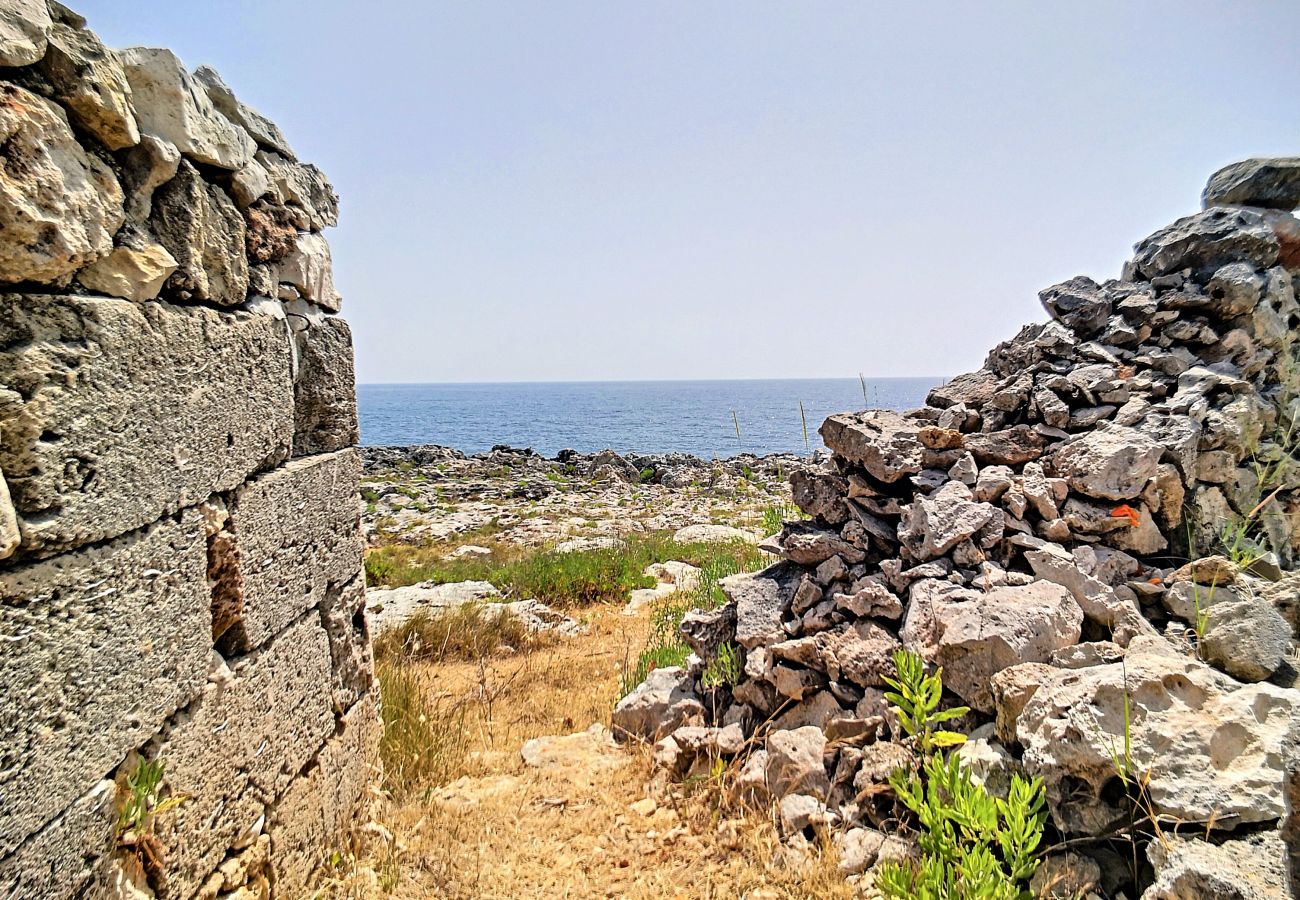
[(724, 669), (646, 475), (143, 804), (973, 845), (916, 698)]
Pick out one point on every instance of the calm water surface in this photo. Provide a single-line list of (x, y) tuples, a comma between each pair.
[(647, 416)]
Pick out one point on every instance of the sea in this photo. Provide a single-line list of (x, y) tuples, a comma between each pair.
[(710, 419)]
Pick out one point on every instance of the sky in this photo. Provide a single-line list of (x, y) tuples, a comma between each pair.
[(614, 190)]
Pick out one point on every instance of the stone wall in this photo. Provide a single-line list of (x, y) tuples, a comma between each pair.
[(1101, 526), (180, 556)]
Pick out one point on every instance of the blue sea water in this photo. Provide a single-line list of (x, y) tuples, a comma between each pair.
[(646, 416)]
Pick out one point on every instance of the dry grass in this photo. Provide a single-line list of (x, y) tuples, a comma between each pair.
[(475, 822), (469, 632)]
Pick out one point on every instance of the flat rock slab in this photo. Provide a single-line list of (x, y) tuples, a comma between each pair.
[(100, 646), (129, 412), (390, 607)]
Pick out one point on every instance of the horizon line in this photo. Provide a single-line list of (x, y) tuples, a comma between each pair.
[(940, 378)]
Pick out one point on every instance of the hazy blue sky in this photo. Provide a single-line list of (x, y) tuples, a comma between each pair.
[(608, 190)]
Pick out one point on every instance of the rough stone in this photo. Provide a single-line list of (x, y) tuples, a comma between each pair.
[(66, 858), (882, 442), (324, 396), (1078, 304), (1099, 601), (101, 645), (59, 206), (1009, 447), (304, 190), (204, 231), (932, 526), (1112, 462), (974, 635), (1207, 240), (150, 163), (120, 426), (1213, 747), (309, 268), (238, 747), (1262, 182), (265, 132), (761, 601), (24, 32), (794, 763), (343, 616), (1248, 639), (10, 537), (170, 104), (88, 79), (658, 706), (133, 271), (1254, 868), (299, 537)]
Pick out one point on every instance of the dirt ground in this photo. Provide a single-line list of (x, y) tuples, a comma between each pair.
[(577, 819)]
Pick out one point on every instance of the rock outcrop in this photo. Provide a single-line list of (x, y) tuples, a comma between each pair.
[(1093, 535), (180, 543)]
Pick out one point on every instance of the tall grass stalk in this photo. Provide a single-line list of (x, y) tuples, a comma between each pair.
[(804, 421)]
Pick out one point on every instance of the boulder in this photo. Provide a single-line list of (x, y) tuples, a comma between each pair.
[(135, 270), (706, 631), (1008, 447), (932, 526), (808, 545), (884, 443), (308, 267), (1078, 304), (658, 706), (89, 81), (150, 163), (1253, 868), (1207, 240), (1272, 183), (1112, 462), (974, 635), (794, 762), (59, 206), (24, 31), (1248, 639), (265, 132), (204, 232), (170, 104), (303, 189), (761, 600), (1208, 749), (1100, 602)]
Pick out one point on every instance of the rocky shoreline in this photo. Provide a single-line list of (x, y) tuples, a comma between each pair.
[(422, 493)]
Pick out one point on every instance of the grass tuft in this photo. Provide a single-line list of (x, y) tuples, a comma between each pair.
[(469, 632)]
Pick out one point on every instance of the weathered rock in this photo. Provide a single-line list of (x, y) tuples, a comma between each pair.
[(857, 849), (974, 635), (59, 206), (761, 600), (1211, 746), (134, 270), (66, 858), (201, 228), (706, 631), (101, 646), (809, 545), (659, 705), (1270, 183), (343, 615), (1099, 601), (88, 79), (1112, 462), (1248, 639), (1235, 289), (794, 763), (150, 163), (10, 537), (324, 396), (1066, 876), (1078, 304), (170, 104), (882, 442), (309, 268), (304, 190), (1253, 868), (142, 431), (713, 534), (265, 132), (932, 526), (1009, 447), (868, 598), (1207, 240), (24, 32)]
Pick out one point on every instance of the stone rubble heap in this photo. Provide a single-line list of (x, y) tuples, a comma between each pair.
[(180, 553), (1029, 530)]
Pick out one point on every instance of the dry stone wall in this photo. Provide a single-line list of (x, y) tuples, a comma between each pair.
[(180, 554), (1100, 526)]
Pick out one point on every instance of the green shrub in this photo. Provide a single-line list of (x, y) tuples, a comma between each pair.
[(916, 697), (724, 669)]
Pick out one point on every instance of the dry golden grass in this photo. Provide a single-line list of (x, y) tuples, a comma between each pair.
[(482, 824)]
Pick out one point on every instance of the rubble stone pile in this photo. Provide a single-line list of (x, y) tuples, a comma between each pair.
[(180, 553), (1102, 517)]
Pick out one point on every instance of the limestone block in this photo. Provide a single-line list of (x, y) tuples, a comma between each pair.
[(204, 232), (299, 536), (310, 269), (70, 857), (24, 31), (312, 818), (169, 103), (238, 747), (129, 412), (101, 645), (325, 397), (343, 614), (59, 206), (88, 80)]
